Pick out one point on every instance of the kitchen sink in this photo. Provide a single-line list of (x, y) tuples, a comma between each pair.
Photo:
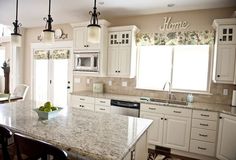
[(178, 102), (167, 102)]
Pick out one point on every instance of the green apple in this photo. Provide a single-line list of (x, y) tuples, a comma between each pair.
[(47, 110), (48, 105), (41, 108), (54, 108)]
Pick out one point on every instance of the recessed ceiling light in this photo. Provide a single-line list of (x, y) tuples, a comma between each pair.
[(171, 5)]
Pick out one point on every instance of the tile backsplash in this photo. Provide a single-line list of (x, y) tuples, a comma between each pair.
[(118, 86)]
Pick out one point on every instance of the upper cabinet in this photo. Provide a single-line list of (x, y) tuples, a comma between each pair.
[(225, 51), (81, 44), (122, 51), (80, 40)]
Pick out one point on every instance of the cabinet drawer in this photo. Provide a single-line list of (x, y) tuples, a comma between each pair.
[(203, 135), (103, 102), (152, 108), (204, 148), (86, 106), (204, 124), (99, 108), (85, 99), (205, 115), (178, 111)]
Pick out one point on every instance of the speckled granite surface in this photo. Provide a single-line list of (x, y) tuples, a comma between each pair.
[(199, 106), (96, 136)]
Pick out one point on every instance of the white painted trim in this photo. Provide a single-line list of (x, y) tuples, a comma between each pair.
[(58, 44)]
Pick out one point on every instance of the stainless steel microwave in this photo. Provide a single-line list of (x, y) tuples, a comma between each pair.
[(86, 61)]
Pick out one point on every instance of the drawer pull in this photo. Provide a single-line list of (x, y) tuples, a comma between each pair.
[(203, 135), (102, 109), (201, 148), (177, 112), (152, 108), (205, 115), (102, 102), (202, 124), (82, 99)]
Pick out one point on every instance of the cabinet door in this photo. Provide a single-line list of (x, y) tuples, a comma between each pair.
[(113, 38), (227, 34), (155, 132), (226, 148), (176, 132), (113, 58), (124, 61), (125, 38), (225, 64), (79, 36), (80, 40)]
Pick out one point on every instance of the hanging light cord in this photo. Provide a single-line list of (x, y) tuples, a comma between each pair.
[(49, 20), (94, 15), (16, 24)]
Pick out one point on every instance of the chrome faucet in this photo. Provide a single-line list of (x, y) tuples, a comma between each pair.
[(169, 91)]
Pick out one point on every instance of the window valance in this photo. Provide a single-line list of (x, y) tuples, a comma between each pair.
[(176, 38), (53, 54)]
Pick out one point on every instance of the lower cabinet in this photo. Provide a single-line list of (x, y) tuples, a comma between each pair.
[(226, 147), (170, 127), (82, 102), (176, 132)]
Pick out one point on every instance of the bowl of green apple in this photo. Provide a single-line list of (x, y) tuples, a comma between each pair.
[(47, 111)]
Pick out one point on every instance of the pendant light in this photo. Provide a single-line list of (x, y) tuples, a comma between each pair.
[(48, 33), (16, 36), (94, 28)]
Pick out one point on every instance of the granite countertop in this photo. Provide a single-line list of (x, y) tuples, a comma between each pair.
[(96, 136), (221, 108)]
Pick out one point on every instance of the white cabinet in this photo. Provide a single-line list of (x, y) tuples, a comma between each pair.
[(102, 105), (203, 132), (82, 45), (155, 132), (176, 132), (225, 51), (122, 51), (171, 126), (225, 61), (80, 40), (227, 34), (226, 147), (82, 102)]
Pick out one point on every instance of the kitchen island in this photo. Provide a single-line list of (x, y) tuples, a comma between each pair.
[(82, 134)]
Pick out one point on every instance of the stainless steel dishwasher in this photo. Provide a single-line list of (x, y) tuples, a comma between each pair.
[(125, 108)]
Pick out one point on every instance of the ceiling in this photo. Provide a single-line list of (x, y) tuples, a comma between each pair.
[(31, 12)]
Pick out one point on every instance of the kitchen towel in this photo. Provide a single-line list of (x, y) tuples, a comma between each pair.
[(234, 98)]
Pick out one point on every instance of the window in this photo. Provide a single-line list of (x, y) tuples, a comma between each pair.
[(185, 66)]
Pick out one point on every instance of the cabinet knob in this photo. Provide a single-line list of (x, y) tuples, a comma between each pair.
[(220, 39), (119, 42), (220, 117), (161, 118), (118, 71), (87, 45), (165, 119), (84, 45), (218, 75)]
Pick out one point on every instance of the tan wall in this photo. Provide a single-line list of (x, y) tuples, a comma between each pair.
[(31, 36), (199, 20)]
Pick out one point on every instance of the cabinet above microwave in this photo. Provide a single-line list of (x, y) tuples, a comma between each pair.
[(82, 45)]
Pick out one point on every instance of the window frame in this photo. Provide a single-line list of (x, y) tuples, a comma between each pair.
[(210, 70)]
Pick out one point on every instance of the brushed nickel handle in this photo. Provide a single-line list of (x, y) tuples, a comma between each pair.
[(202, 124)]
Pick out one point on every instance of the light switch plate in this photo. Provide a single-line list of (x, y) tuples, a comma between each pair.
[(124, 84), (225, 92), (110, 83)]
